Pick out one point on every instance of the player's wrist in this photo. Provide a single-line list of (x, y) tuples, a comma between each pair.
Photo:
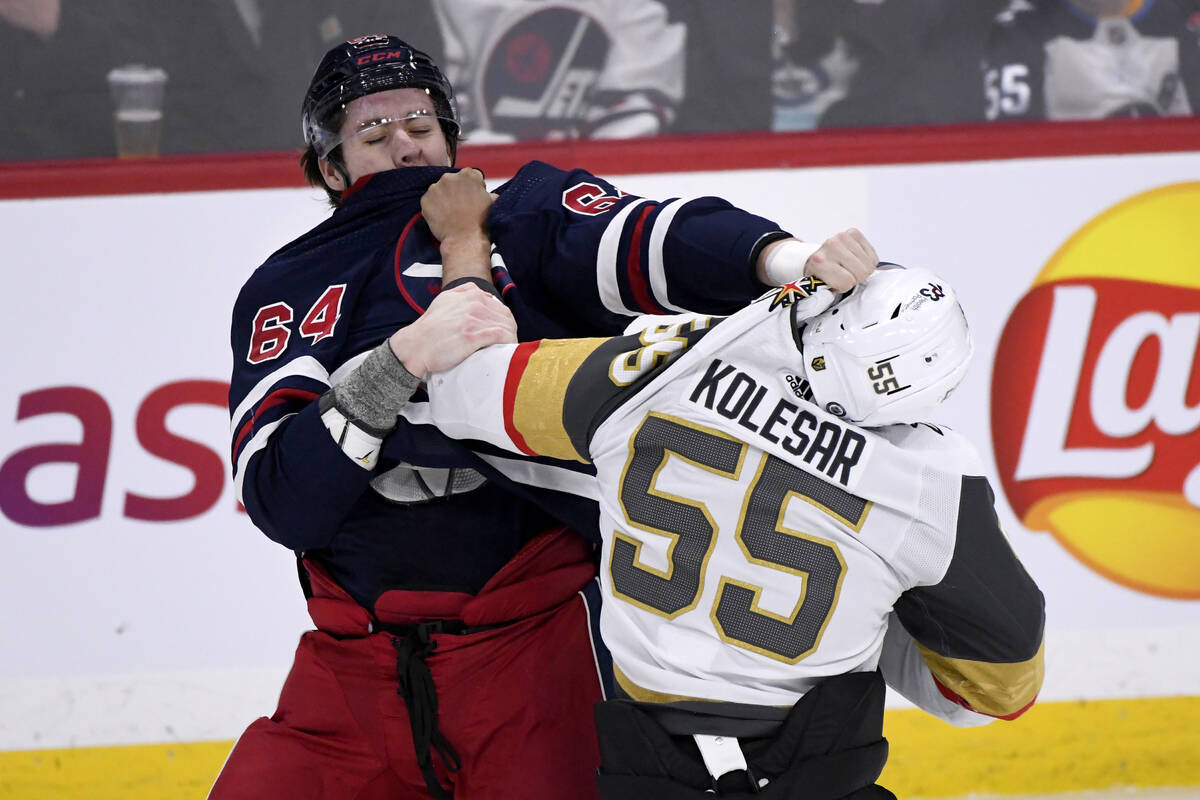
[(406, 346), (484, 284), (362, 409), (466, 255), (757, 258), (375, 392), (785, 261)]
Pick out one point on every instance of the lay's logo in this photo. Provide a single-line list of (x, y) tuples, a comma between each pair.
[(1096, 395)]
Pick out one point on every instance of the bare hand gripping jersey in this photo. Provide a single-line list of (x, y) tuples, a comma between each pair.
[(581, 259), (754, 544)]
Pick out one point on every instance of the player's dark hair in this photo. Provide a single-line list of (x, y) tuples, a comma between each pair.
[(310, 164)]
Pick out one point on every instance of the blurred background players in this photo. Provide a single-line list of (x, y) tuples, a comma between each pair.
[(234, 68), (532, 69), (851, 63), (1087, 59)]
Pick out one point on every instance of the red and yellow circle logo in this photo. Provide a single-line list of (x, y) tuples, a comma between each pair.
[(1096, 395)]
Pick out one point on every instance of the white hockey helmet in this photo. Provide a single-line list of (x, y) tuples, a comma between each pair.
[(890, 351)]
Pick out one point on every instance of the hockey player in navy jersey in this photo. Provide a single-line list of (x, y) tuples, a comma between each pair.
[(775, 535), (454, 654)]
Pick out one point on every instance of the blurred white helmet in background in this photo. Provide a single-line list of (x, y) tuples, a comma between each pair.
[(890, 351)]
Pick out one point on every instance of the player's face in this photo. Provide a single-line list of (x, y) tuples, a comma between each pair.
[(385, 130)]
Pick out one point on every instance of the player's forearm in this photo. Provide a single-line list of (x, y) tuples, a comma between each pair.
[(362, 409), (301, 486), (907, 673), (980, 629), (468, 401), (841, 261), (467, 255), (514, 397), (455, 208), (606, 255), (783, 261)]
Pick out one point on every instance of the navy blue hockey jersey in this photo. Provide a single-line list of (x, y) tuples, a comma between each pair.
[(576, 257)]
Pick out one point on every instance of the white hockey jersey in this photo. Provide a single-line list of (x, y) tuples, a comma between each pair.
[(753, 543)]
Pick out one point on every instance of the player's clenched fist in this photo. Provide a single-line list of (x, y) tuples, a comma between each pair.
[(457, 202), (455, 208), (457, 323), (843, 260)]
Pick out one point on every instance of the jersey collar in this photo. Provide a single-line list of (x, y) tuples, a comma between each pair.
[(392, 184)]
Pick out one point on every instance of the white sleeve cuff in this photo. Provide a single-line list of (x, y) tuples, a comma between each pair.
[(361, 447), (785, 263)]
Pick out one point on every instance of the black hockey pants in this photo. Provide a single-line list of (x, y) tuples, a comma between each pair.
[(830, 747)]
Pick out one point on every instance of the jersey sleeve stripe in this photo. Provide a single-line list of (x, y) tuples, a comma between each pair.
[(658, 270), (954, 698), (608, 281), (257, 442), (545, 476), (303, 367), (512, 382), (638, 285), (270, 401), (998, 690), (539, 394)]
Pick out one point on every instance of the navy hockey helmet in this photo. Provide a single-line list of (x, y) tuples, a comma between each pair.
[(363, 66)]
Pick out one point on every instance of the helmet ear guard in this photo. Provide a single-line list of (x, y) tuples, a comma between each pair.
[(890, 351), (363, 66)]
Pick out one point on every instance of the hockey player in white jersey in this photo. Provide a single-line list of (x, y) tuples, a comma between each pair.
[(776, 535)]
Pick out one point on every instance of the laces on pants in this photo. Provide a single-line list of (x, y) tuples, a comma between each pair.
[(415, 686)]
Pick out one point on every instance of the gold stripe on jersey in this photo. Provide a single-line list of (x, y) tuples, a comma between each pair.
[(538, 407), (636, 692), (998, 690)]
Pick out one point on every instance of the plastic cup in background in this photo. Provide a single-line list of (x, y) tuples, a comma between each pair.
[(137, 95)]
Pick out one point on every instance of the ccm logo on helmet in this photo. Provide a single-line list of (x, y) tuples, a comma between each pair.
[(390, 55)]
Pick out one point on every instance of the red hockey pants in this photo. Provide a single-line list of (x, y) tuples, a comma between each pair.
[(514, 701)]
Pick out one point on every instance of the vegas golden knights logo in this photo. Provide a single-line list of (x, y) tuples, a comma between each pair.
[(796, 290), (818, 363)]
